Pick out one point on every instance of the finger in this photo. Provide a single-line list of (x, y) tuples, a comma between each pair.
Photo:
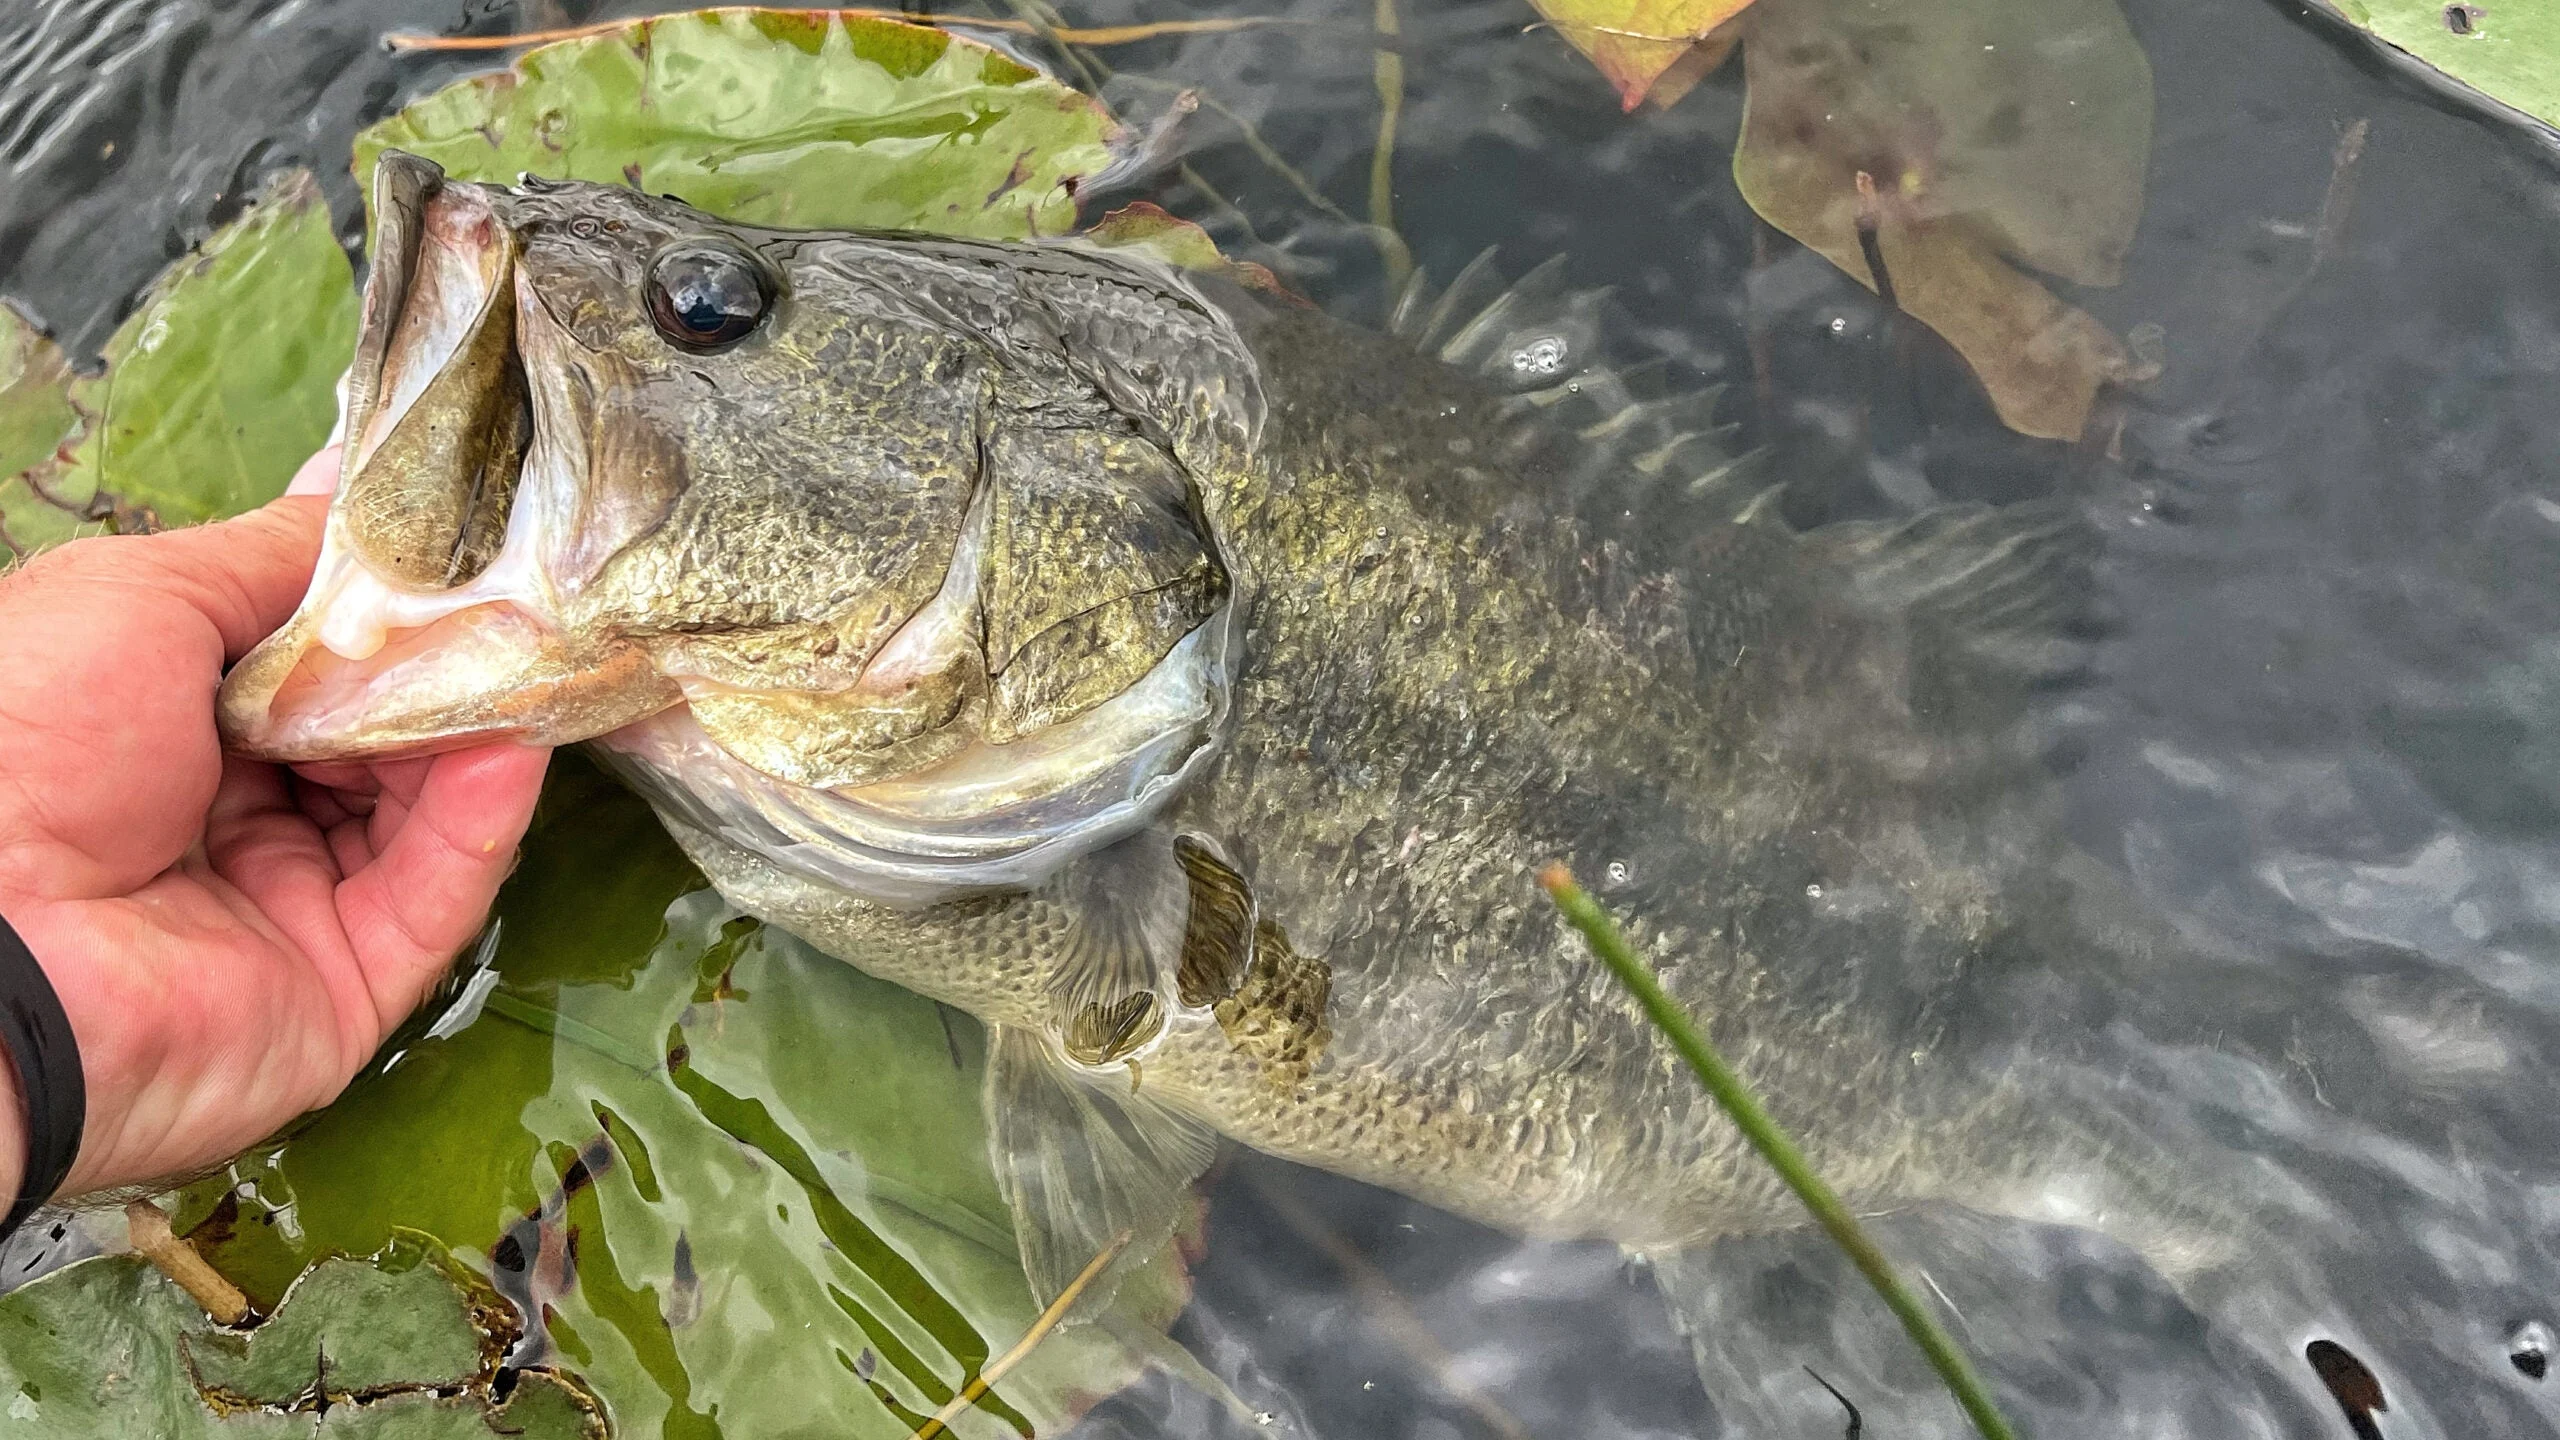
[(243, 576), (318, 475), (258, 841), (323, 807), (431, 883), (348, 777), (351, 846)]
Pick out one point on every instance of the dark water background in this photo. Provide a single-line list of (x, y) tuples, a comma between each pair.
[(2329, 734)]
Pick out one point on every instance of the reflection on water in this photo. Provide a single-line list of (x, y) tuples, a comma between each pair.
[(2321, 748)]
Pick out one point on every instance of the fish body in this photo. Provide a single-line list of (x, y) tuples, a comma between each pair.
[(1446, 683), (1188, 687)]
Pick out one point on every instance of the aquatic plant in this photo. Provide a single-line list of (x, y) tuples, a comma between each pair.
[(1776, 1147)]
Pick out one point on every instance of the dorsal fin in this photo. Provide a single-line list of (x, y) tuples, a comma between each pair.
[(1999, 600), (1995, 600), (1630, 453)]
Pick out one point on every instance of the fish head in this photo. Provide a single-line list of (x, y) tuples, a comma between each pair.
[(853, 543)]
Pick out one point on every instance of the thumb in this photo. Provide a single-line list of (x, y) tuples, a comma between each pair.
[(243, 575)]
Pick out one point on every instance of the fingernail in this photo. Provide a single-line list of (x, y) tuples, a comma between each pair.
[(318, 475)]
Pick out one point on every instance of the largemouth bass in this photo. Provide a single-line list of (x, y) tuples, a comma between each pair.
[(1188, 686)]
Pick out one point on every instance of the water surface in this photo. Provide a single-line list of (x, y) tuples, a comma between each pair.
[(2322, 743)]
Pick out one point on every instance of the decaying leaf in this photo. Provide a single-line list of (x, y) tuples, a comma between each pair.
[(1656, 47), (400, 1346), (36, 417), (1996, 131)]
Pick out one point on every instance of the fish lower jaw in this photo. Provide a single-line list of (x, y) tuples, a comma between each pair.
[(480, 673)]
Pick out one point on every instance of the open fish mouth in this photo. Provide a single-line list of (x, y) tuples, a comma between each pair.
[(429, 625), (1016, 639)]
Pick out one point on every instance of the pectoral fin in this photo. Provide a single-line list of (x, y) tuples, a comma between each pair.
[(1112, 988), (1081, 1162)]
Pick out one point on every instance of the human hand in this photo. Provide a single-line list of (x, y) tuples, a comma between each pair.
[(231, 941)]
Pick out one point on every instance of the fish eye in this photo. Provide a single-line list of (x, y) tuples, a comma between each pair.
[(706, 297)]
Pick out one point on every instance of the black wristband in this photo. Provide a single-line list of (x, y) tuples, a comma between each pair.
[(37, 1036)]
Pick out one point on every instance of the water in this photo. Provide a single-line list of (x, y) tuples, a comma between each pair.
[(2323, 744)]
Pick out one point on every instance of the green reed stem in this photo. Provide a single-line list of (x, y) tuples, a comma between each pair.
[(1775, 1147)]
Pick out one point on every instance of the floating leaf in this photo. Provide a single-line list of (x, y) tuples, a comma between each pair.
[(1635, 42), (214, 390), (778, 117), (1149, 228), (394, 1348), (1995, 131), (2505, 50)]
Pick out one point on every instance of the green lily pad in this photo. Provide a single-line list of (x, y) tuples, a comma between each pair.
[(2507, 51), (781, 118), (213, 390), (746, 1184), (419, 1334), (390, 1349)]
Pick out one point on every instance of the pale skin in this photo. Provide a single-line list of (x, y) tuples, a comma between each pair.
[(231, 940)]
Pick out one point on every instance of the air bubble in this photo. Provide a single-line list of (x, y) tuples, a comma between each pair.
[(1540, 357), (2529, 1349)]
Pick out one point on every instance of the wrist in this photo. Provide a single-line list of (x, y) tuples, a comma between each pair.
[(43, 1114)]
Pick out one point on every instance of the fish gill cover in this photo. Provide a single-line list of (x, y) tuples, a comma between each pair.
[(724, 1183)]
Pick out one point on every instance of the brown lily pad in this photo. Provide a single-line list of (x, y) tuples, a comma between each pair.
[(2002, 136)]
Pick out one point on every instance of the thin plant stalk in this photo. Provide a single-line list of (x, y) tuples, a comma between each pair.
[(1775, 1147), (1382, 160), (1039, 1331)]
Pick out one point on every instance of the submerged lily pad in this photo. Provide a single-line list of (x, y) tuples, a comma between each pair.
[(744, 1185), (2505, 50), (1995, 134), (212, 391), (392, 1348), (778, 117)]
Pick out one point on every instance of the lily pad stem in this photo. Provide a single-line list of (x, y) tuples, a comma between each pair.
[(148, 1226), (1775, 1147)]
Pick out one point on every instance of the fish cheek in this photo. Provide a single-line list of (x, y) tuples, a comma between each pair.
[(1096, 567), (635, 470), (833, 740)]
